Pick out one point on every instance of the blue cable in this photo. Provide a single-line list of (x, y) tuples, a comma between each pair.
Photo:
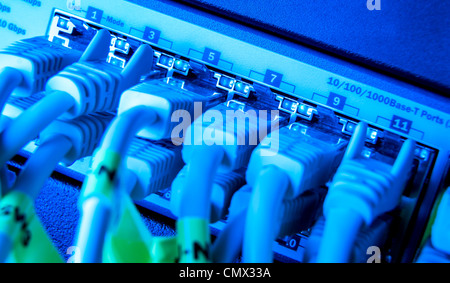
[(361, 190), (41, 164), (285, 179), (10, 79), (195, 204), (262, 215), (228, 245)]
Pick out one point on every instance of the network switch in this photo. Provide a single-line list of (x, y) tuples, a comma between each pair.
[(332, 101)]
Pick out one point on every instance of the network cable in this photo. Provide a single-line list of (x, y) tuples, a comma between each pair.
[(225, 184), (228, 244), (88, 86), (6, 179), (297, 215), (221, 140), (283, 179), (361, 190), (150, 166), (368, 243), (23, 238), (153, 110), (26, 65), (146, 164)]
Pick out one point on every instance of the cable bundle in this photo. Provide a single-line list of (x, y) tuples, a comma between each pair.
[(219, 141), (23, 238), (28, 64), (83, 88), (145, 110)]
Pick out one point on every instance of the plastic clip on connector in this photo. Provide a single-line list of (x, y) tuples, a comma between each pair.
[(369, 237), (224, 186), (361, 190), (283, 177), (146, 110), (296, 215), (89, 86), (151, 166), (212, 147), (20, 229), (26, 65)]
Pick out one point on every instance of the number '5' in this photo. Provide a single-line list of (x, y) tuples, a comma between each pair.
[(211, 56)]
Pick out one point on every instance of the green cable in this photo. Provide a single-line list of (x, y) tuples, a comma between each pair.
[(22, 230), (427, 234), (124, 238)]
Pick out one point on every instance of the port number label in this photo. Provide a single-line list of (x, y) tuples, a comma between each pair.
[(211, 56), (94, 14), (336, 101), (291, 243), (400, 124), (273, 78), (151, 34)]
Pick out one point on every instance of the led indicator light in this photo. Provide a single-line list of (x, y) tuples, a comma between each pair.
[(166, 61), (181, 65), (289, 105), (242, 88), (63, 23), (226, 82)]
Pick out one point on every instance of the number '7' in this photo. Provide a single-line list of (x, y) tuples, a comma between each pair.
[(273, 78)]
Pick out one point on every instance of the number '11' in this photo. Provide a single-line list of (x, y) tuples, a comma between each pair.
[(402, 125)]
